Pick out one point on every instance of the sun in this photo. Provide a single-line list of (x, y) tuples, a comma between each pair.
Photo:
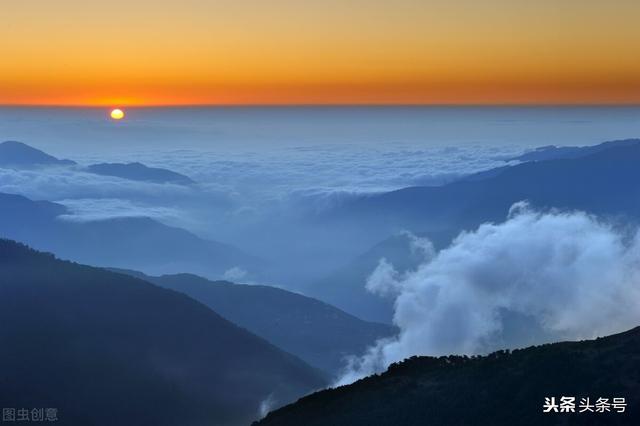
[(117, 114)]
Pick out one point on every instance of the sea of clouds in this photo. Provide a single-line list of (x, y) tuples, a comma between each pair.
[(242, 183)]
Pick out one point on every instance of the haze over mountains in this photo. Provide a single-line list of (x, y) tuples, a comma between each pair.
[(345, 287), (106, 348), (20, 155), (134, 242), (602, 182), (316, 332)]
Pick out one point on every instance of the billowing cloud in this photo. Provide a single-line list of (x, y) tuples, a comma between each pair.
[(535, 278)]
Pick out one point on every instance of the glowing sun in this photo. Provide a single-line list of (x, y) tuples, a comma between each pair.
[(117, 114)]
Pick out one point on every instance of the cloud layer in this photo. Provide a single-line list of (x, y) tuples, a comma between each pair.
[(535, 278), (237, 188)]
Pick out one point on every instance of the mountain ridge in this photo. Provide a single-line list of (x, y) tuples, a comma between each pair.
[(606, 176), (139, 172), (119, 350), (113, 242), (318, 333), (18, 154), (502, 388), (601, 183), (553, 152), (14, 154)]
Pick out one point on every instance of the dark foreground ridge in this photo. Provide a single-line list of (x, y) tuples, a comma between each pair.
[(504, 388), (110, 349)]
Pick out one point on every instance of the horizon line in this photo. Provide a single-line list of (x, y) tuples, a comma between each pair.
[(322, 105)]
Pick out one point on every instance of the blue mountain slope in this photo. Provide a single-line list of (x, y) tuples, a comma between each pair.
[(603, 183), (135, 243), (316, 332), (109, 349), (553, 152), (18, 154), (345, 287)]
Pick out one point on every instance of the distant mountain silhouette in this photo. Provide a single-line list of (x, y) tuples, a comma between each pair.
[(504, 388), (485, 174), (131, 243), (138, 171), (106, 349), (602, 183), (552, 152), (318, 333), (345, 287), (18, 154)]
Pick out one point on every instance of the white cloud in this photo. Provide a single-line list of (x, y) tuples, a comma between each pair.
[(266, 405), (234, 274), (91, 209), (280, 171), (239, 190), (313, 176), (559, 275), (70, 182)]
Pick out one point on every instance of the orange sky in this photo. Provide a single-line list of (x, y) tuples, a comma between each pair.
[(149, 52)]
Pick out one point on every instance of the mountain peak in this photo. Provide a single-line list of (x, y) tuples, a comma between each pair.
[(553, 152), (140, 172), (13, 153)]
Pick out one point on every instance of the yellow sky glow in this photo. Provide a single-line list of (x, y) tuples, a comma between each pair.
[(145, 52)]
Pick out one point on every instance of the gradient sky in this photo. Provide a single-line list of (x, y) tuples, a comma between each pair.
[(129, 52)]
